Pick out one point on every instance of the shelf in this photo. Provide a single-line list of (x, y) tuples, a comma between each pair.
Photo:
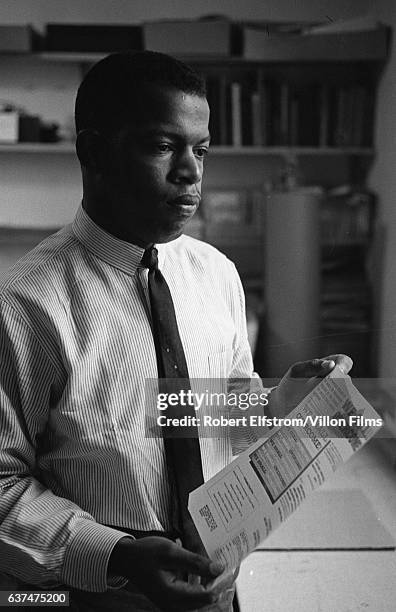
[(68, 147), (262, 49), (38, 147), (90, 58), (291, 151), (76, 58)]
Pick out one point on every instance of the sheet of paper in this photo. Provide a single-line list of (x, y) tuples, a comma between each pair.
[(246, 501)]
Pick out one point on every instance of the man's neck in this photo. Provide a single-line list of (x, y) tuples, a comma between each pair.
[(95, 212)]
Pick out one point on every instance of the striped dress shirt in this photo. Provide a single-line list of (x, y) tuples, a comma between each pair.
[(76, 350)]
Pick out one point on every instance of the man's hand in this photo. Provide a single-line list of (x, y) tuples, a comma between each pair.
[(300, 379), (158, 567)]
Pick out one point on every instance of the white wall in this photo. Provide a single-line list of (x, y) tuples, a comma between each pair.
[(383, 181), (39, 189)]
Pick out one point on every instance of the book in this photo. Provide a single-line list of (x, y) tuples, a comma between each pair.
[(256, 110), (309, 115), (368, 118), (264, 91), (274, 114), (246, 114), (358, 127), (284, 114), (236, 117), (340, 135), (294, 120), (225, 111), (214, 101), (324, 116)]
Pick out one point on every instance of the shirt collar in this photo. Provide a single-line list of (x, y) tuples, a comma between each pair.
[(117, 253)]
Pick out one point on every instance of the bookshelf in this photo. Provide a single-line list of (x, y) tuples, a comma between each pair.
[(315, 102)]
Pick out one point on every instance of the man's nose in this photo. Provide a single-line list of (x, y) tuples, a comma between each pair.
[(187, 168)]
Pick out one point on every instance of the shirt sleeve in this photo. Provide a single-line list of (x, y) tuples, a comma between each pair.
[(44, 539), (242, 378)]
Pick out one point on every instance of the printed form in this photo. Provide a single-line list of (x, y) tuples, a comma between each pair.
[(241, 505)]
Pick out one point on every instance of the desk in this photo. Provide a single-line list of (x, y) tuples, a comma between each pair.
[(332, 581)]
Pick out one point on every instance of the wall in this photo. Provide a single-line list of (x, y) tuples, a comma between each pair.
[(39, 189), (383, 181)]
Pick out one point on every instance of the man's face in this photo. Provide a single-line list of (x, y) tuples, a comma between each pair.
[(155, 183)]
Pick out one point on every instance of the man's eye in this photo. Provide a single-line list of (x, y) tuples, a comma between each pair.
[(163, 147), (201, 152)]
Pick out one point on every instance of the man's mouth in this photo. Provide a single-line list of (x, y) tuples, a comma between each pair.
[(185, 201)]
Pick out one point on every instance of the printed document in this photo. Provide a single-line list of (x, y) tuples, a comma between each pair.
[(241, 505)]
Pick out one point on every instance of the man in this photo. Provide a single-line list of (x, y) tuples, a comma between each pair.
[(80, 481)]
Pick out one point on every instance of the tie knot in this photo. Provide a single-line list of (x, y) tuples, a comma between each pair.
[(150, 258)]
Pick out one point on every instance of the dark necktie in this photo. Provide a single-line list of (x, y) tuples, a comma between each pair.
[(183, 455)]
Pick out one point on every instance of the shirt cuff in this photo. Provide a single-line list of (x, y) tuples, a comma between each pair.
[(87, 556), (116, 582)]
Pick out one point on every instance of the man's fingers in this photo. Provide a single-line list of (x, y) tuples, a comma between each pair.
[(190, 595), (223, 582), (344, 362), (194, 564), (314, 367), (321, 367)]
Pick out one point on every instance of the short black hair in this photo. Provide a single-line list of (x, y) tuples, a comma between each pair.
[(111, 86)]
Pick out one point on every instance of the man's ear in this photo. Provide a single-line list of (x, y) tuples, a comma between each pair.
[(93, 150)]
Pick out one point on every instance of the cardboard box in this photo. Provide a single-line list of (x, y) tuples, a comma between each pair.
[(19, 39), (29, 128), (345, 46), (188, 37), (91, 38)]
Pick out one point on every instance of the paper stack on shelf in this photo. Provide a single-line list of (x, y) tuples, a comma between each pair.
[(188, 37), (91, 38), (19, 39)]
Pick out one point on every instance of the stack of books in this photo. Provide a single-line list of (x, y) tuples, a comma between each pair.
[(279, 113)]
